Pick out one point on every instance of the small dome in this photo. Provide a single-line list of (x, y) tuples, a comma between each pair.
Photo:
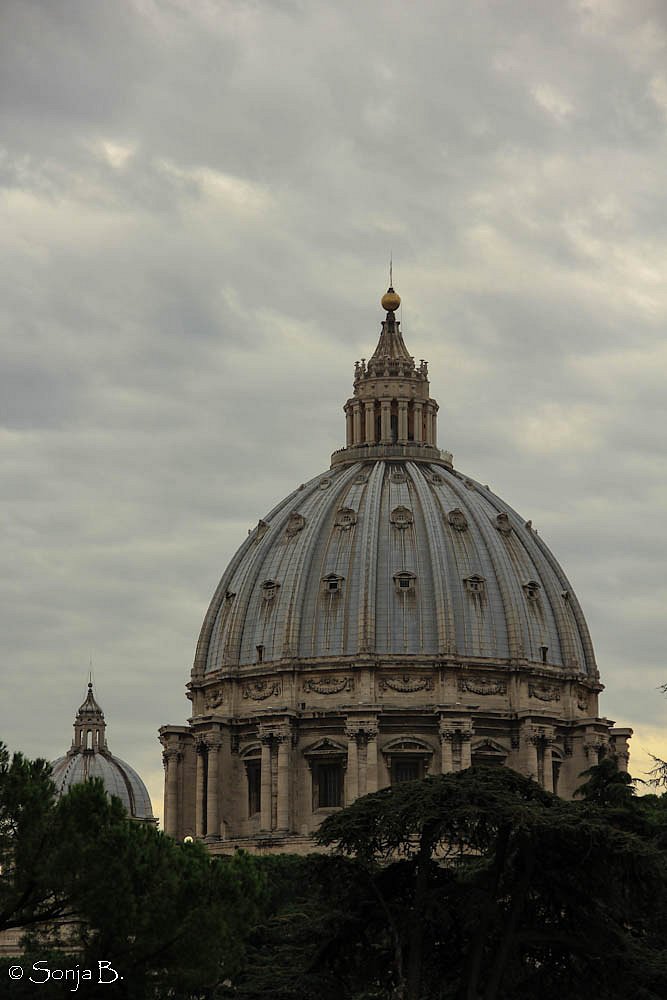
[(118, 777), (391, 300), (89, 757)]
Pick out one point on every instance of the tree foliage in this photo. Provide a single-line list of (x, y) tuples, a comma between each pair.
[(171, 919), (477, 885), (472, 886)]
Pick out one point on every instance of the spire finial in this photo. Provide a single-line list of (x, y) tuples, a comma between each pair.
[(390, 300), (391, 269)]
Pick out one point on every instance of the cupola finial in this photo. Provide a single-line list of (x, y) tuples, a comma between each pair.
[(391, 300)]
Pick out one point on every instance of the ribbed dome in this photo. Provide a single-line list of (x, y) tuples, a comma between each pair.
[(394, 558), (89, 757), (119, 779), (390, 618)]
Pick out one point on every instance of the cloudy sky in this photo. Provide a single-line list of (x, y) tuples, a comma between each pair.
[(199, 199)]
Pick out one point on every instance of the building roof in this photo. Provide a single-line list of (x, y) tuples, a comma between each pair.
[(394, 558), (118, 777), (393, 552), (90, 757)]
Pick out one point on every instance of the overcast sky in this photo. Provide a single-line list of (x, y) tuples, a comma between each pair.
[(199, 200)]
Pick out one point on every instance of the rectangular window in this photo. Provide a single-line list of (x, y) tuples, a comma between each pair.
[(407, 769), (329, 790), (254, 773)]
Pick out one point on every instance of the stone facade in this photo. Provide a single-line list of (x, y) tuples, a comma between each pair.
[(391, 618)]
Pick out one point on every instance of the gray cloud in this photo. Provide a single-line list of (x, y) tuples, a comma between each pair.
[(199, 200)]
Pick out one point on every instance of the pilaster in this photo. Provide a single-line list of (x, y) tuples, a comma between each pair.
[(213, 744), (200, 788)]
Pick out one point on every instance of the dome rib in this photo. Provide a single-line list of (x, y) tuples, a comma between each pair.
[(568, 631), (202, 652), (354, 500), (589, 664), (559, 630), (466, 557), (369, 559), (523, 569), (228, 649), (508, 594), (369, 614), (118, 778), (314, 567), (444, 610), (302, 557)]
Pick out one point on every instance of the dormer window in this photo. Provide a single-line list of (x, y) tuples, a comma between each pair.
[(503, 524), (269, 589), (532, 590), (332, 584), (457, 519), (475, 584), (295, 524), (404, 581), (401, 517), (346, 518)]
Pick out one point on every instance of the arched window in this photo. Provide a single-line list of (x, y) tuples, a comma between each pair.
[(408, 759)]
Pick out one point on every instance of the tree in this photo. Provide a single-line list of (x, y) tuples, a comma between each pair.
[(27, 808), (172, 920), (169, 917), (477, 885), (606, 784)]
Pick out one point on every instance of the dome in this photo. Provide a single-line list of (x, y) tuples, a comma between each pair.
[(89, 757), (391, 617), (119, 779), (394, 558)]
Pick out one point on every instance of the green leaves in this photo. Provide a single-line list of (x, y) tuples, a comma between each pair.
[(477, 885), (482, 885), (172, 919), (27, 799)]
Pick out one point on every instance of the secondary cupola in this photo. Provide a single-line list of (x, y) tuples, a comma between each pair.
[(89, 757)]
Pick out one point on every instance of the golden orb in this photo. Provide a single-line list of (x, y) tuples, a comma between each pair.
[(391, 300)]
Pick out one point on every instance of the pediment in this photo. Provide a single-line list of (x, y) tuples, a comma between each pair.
[(325, 747), (489, 748)]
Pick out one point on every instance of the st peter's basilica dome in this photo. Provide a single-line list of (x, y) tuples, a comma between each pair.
[(390, 618)]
